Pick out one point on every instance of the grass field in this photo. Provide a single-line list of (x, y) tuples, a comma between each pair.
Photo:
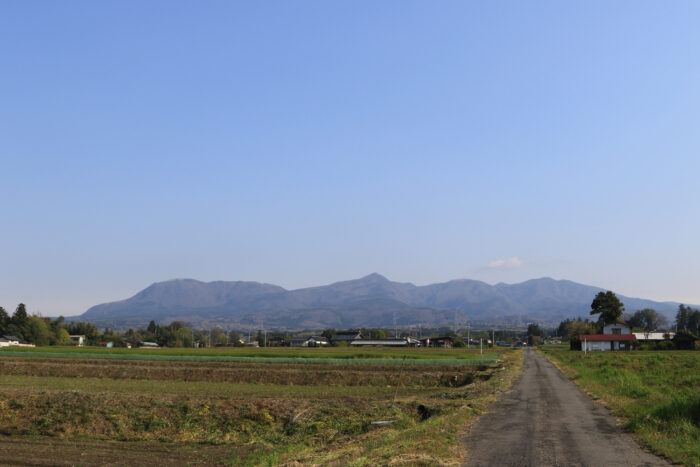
[(346, 356), (252, 412), (656, 392)]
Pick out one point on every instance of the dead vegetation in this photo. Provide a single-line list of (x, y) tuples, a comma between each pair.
[(269, 414)]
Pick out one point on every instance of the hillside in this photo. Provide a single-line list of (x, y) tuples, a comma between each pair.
[(371, 301)]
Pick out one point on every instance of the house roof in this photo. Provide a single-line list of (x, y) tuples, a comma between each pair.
[(11, 338), (654, 336), (346, 335), (607, 337), (402, 342)]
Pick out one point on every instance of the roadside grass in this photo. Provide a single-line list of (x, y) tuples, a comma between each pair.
[(326, 420), (656, 392)]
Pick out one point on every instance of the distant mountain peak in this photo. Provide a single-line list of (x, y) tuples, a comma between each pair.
[(370, 301), (374, 277)]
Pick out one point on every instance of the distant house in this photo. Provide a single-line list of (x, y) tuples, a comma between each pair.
[(318, 341), (401, 342), (78, 340), (313, 341), (552, 340), (345, 336), (616, 336), (278, 342), (440, 341), (6, 341), (108, 345)]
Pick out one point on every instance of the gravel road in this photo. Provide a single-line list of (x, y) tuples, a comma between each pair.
[(545, 420)]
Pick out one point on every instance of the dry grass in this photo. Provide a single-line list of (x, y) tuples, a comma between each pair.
[(272, 414)]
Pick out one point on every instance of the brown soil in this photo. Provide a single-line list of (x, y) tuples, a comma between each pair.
[(53, 452), (333, 375)]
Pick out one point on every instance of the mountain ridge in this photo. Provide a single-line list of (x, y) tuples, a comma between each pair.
[(370, 301)]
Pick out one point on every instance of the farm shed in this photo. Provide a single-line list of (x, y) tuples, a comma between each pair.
[(313, 341), (654, 336), (6, 341), (606, 341), (77, 340), (345, 336), (401, 342), (443, 341)]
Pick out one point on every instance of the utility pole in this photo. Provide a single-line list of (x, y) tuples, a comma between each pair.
[(469, 332)]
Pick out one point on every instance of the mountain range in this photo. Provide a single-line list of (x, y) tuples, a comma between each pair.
[(371, 301)]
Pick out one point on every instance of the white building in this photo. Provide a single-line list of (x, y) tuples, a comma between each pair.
[(6, 341), (78, 340), (616, 336)]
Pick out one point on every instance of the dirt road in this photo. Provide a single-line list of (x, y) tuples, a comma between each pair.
[(545, 420)]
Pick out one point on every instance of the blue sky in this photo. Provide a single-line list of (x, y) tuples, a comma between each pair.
[(301, 143)]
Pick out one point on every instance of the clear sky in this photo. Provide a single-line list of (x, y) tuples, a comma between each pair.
[(304, 142)]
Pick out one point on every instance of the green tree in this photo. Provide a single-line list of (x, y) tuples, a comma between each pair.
[(4, 320), (608, 307), (328, 333), (61, 337), (534, 330), (38, 331), (694, 321), (218, 337), (379, 334), (260, 337), (647, 319), (682, 317), (19, 323)]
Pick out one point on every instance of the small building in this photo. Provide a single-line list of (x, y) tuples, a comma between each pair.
[(78, 340), (108, 345), (318, 341), (591, 342), (6, 341), (553, 340), (345, 336), (400, 342), (313, 341), (278, 341), (653, 337), (440, 341)]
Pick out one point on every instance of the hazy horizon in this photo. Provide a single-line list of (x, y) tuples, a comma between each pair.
[(303, 144)]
